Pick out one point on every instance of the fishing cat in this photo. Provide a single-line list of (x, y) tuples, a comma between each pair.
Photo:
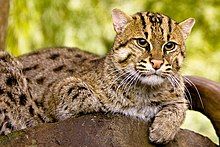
[(139, 77)]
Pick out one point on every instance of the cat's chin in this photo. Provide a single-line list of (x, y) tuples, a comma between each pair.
[(152, 80)]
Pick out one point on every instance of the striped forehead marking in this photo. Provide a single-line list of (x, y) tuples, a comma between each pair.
[(156, 22)]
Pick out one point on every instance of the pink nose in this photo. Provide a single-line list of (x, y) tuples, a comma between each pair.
[(156, 64)]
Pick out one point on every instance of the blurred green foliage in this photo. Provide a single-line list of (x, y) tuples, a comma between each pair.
[(87, 24)]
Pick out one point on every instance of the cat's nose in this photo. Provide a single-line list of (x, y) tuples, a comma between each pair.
[(156, 64)]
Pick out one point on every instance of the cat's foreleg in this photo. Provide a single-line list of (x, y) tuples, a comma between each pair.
[(167, 122)]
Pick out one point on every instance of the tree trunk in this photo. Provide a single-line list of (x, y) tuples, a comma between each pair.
[(4, 10), (207, 99), (98, 130)]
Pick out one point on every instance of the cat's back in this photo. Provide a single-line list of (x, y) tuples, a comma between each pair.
[(43, 67), (55, 60)]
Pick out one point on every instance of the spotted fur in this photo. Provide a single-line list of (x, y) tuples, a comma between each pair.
[(139, 77)]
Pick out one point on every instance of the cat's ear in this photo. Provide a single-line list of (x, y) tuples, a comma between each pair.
[(187, 26), (120, 20)]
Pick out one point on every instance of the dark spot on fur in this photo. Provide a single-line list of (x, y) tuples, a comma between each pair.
[(134, 17), (81, 113), (41, 118), (183, 54), (155, 103), (9, 125), (28, 80), (103, 106), (50, 84), (59, 68), (40, 80), (7, 103), (28, 123), (177, 64), (10, 81), (70, 90), (1, 91), (31, 111), (78, 56), (171, 90), (81, 88), (23, 99), (6, 118), (143, 61), (70, 71), (75, 96), (54, 56), (34, 67), (11, 97), (141, 65), (38, 103), (168, 37), (66, 108), (5, 57)]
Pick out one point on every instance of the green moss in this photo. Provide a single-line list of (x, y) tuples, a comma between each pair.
[(6, 139)]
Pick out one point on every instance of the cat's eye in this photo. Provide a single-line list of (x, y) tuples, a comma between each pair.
[(143, 43), (169, 46)]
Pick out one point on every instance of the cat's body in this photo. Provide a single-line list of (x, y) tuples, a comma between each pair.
[(139, 77)]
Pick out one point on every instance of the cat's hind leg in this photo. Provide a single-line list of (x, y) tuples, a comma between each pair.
[(70, 97), (16, 108)]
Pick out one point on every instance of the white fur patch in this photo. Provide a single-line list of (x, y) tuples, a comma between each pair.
[(145, 113), (152, 80), (123, 54)]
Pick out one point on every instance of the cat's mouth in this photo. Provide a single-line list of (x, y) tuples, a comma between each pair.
[(149, 74)]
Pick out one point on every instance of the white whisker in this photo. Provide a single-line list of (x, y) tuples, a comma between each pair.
[(183, 90), (197, 91), (123, 81), (135, 76)]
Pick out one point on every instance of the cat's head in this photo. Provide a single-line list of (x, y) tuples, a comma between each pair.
[(149, 46)]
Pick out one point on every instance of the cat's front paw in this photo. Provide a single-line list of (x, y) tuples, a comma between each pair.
[(161, 134)]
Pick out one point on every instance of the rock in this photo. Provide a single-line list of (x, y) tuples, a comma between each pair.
[(97, 130)]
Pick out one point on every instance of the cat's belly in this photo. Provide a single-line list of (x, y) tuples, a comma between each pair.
[(145, 113)]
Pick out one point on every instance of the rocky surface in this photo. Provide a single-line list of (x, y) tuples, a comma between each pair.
[(98, 130)]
